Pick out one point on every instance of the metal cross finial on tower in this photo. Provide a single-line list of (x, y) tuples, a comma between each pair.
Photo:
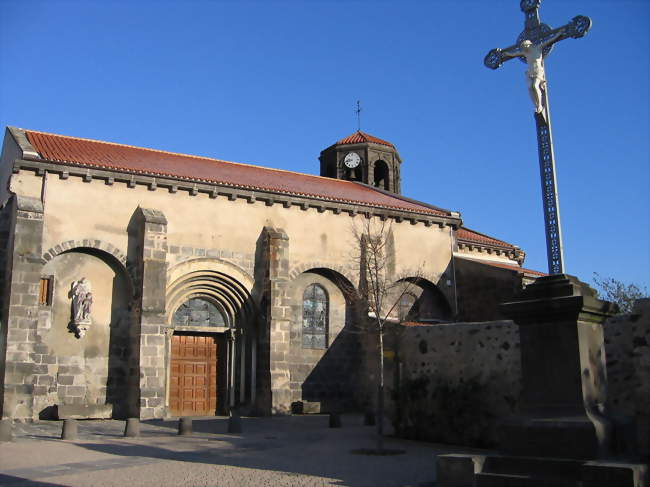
[(533, 45), (358, 112)]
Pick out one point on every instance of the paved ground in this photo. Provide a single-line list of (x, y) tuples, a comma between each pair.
[(278, 452)]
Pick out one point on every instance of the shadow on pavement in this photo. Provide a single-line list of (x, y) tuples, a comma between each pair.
[(296, 445), (12, 481)]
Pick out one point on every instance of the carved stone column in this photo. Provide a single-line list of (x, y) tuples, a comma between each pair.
[(19, 364), (563, 370), (153, 288)]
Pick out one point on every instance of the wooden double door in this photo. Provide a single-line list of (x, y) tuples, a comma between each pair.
[(194, 387)]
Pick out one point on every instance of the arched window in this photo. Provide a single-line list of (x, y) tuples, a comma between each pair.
[(315, 311), (381, 175), (198, 312)]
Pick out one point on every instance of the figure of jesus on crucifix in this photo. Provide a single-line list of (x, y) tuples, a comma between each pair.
[(535, 75)]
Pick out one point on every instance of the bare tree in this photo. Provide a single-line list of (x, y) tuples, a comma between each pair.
[(624, 295), (382, 292)]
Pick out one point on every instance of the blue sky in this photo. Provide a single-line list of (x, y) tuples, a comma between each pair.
[(275, 82)]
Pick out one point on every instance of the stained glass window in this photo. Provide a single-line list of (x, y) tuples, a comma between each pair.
[(314, 317), (198, 312)]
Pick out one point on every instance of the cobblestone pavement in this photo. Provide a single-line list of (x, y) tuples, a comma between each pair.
[(280, 451)]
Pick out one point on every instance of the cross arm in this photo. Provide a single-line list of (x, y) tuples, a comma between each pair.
[(496, 57), (575, 29)]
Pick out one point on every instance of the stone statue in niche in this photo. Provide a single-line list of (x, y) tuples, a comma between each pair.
[(82, 300)]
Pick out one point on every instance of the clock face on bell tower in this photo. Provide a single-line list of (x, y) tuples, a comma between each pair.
[(352, 160), (365, 159)]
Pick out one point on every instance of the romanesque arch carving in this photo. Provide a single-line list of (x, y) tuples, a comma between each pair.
[(217, 281), (300, 268), (86, 243), (211, 264), (105, 250)]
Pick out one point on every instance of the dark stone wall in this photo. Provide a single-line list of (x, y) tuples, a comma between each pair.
[(481, 288)]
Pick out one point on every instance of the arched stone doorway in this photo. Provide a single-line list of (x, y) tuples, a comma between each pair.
[(211, 349)]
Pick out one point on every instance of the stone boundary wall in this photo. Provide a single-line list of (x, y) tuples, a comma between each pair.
[(457, 380), (627, 347)]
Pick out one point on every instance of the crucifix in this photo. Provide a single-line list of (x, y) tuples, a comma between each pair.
[(533, 45)]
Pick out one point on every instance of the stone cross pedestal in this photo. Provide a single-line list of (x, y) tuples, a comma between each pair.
[(564, 378)]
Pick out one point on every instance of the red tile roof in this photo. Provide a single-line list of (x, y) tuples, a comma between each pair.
[(111, 156), (467, 235), (360, 137)]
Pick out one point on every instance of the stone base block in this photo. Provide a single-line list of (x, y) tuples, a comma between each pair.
[(305, 407), (457, 470), (309, 407), (6, 430), (500, 471), (559, 437), (96, 411), (605, 474)]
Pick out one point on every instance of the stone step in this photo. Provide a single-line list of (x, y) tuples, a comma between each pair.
[(618, 474), (77, 411), (533, 466), (488, 479), (466, 470)]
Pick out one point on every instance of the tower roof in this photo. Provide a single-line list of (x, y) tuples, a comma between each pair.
[(360, 137)]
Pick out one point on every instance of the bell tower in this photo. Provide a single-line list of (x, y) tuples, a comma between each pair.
[(363, 158)]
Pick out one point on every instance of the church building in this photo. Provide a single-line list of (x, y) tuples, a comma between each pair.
[(139, 282)]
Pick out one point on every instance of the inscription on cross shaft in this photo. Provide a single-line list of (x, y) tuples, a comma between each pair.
[(533, 44)]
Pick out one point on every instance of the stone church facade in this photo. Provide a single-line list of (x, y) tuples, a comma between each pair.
[(138, 282)]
